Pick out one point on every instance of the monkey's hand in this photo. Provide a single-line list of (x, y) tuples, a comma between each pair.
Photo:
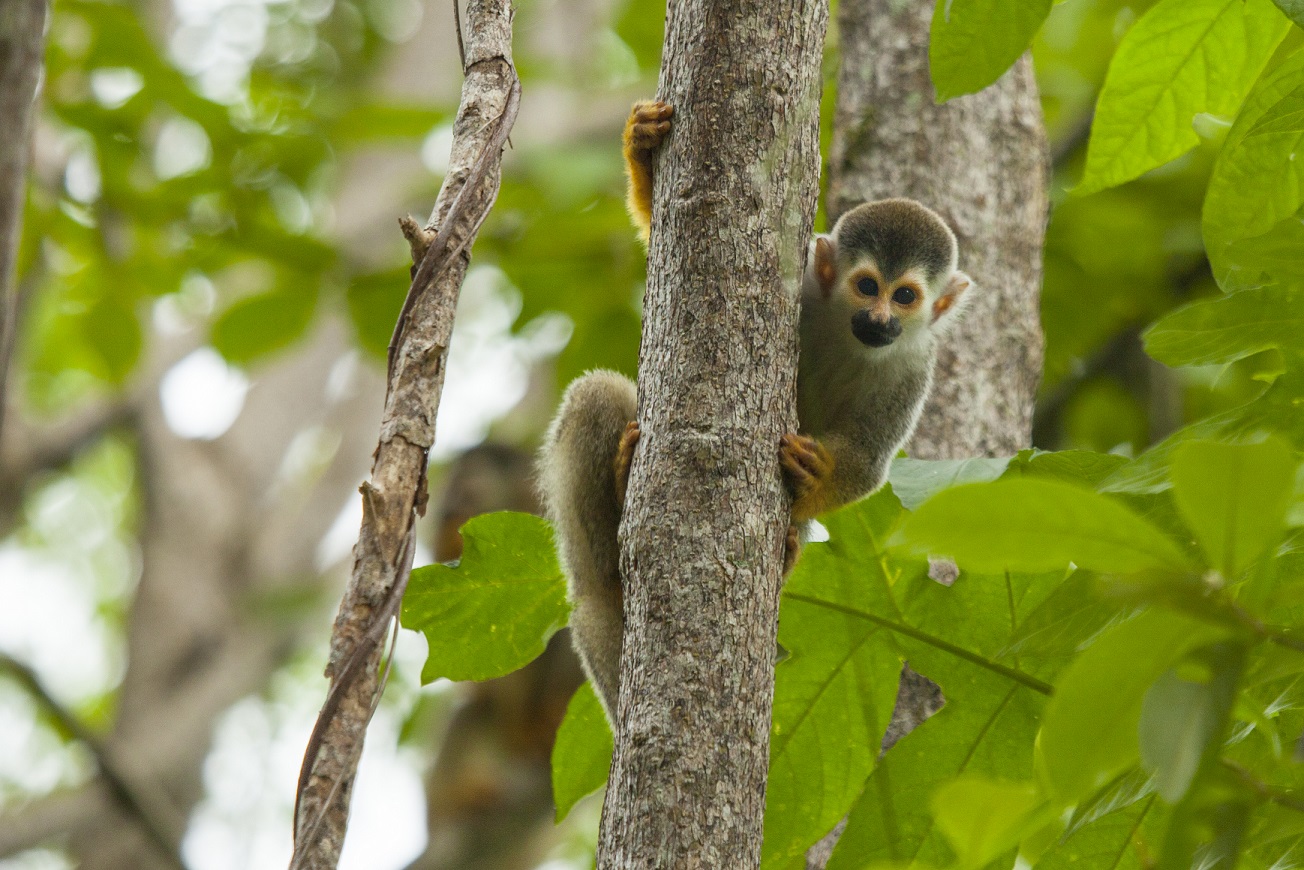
[(809, 468), (648, 124), (625, 456)]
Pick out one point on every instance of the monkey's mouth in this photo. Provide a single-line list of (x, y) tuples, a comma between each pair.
[(874, 333)]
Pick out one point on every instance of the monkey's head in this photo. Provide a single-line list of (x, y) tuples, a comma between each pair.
[(890, 266)]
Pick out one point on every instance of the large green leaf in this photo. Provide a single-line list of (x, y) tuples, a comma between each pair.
[(1117, 836), (1232, 327), (1182, 58), (1293, 8), (1084, 467), (581, 755), (986, 729), (850, 598), (1090, 730), (1234, 497), (1037, 525), (984, 818), (1251, 226), (834, 694), (973, 42), (1179, 716), (916, 480), (493, 612)]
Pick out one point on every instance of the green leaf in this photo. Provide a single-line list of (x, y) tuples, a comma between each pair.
[(1053, 632), (581, 755), (1210, 821), (1089, 732), (257, 325), (985, 729), (973, 42), (112, 331), (983, 818), (374, 302), (1177, 722), (1234, 497), (494, 612), (1295, 517), (1117, 838), (1294, 10), (1231, 327), (851, 588), (916, 480), (372, 122), (1182, 58), (835, 692), (1255, 192), (1035, 525), (1083, 467)]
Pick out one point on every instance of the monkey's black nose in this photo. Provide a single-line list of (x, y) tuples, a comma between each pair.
[(874, 333)]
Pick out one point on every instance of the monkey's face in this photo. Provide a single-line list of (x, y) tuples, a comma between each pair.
[(882, 309), (890, 267)]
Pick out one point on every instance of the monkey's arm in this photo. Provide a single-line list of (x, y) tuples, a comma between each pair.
[(648, 124), (831, 471)]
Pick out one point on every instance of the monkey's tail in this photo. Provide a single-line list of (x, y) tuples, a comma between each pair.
[(577, 483)]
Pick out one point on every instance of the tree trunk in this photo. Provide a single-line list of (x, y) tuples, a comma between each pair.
[(22, 45), (706, 513), (981, 162)]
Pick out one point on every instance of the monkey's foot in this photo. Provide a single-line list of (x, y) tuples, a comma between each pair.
[(791, 549), (624, 457), (648, 124), (809, 467)]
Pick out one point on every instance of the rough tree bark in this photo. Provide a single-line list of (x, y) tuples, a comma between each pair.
[(706, 512), (981, 162), (22, 45), (396, 492)]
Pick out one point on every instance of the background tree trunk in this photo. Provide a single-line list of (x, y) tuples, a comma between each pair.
[(22, 45), (981, 162), (706, 513)]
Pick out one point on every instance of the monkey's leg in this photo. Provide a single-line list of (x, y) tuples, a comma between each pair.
[(648, 124), (791, 549), (579, 483), (624, 457)]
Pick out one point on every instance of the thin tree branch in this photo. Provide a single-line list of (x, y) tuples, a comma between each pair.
[(49, 817), (145, 810), (395, 495)]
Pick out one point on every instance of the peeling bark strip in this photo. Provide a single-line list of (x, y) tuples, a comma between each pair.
[(22, 45), (707, 511), (396, 492)]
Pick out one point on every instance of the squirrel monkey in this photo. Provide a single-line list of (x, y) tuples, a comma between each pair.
[(878, 294)]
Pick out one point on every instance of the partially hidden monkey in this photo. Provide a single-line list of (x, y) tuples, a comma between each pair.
[(878, 294)]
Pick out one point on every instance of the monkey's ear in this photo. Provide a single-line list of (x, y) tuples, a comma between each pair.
[(823, 263), (953, 297)]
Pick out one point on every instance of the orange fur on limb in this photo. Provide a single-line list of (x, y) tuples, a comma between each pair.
[(648, 124)]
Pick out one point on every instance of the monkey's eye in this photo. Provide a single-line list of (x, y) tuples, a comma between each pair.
[(904, 296), (867, 287)]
